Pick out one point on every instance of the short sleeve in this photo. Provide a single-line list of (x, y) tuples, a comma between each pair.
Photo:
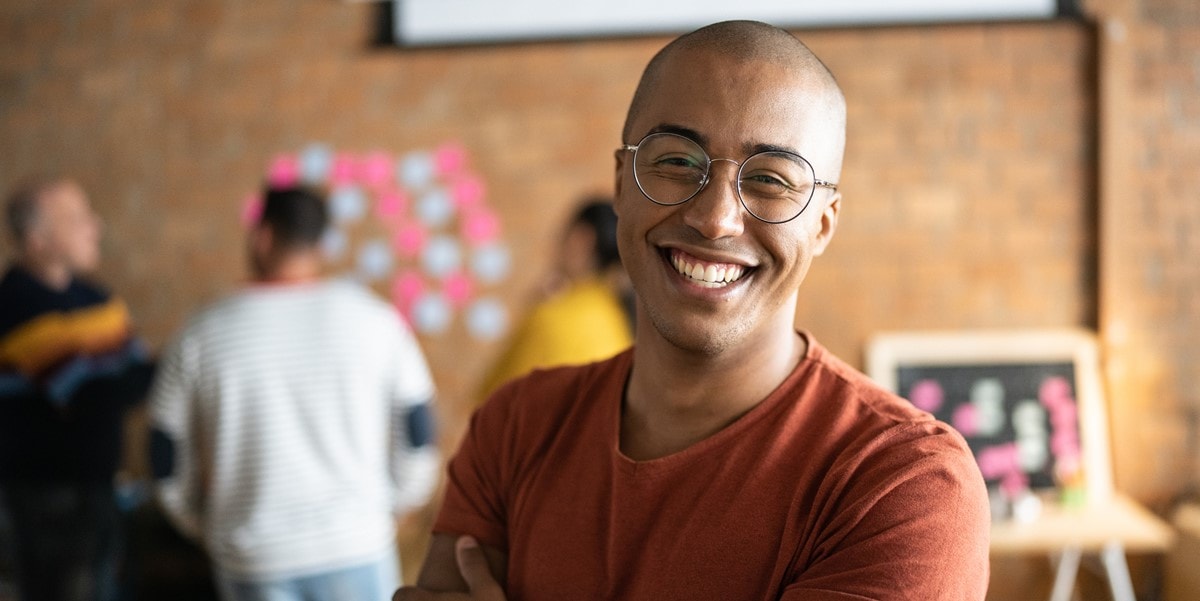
[(912, 523), (479, 476), (412, 384)]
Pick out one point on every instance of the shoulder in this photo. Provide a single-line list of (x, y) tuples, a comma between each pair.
[(24, 298), (872, 425), (856, 392), (355, 296), (544, 400), (88, 292)]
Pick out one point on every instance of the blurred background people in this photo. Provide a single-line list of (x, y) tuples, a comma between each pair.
[(582, 311), (70, 369), (292, 423)]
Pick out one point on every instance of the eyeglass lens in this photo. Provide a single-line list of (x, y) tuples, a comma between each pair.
[(774, 186)]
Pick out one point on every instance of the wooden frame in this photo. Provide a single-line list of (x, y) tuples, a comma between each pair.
[(892, 357)]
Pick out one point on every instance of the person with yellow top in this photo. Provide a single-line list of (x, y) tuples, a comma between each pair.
[(584, 316)]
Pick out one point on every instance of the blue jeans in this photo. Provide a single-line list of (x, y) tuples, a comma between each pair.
[(374, 581)]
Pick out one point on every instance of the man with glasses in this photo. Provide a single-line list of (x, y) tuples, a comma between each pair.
[(727, 455)]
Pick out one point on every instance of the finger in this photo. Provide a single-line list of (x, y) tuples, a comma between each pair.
[(412, 593), (474, 567)]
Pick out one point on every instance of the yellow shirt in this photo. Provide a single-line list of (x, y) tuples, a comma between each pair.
[(581, 324)]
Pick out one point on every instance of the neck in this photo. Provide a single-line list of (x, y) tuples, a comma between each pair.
[(676, 398), (54, 275), (293, 268)]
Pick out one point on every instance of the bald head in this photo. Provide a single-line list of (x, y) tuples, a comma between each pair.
[(56, 232), (748, 42)]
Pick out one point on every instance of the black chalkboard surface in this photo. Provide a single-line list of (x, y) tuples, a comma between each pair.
[(1020, 420), (1027, 402)]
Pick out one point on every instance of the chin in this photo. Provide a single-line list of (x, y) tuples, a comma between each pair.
[(701, 340)]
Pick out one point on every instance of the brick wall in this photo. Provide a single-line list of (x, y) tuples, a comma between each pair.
[(966, 181), (970, 182), (1150, 250)]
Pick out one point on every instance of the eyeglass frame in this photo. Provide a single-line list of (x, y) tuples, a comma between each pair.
[(817, 183)]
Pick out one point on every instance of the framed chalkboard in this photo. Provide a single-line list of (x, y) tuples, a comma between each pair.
[(1028, 402)]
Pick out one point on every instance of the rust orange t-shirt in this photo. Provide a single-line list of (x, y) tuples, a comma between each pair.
[(830, 489)]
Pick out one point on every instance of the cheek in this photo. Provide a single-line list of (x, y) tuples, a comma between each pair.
[(792, 248)]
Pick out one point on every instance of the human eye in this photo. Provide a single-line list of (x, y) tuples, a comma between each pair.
[(677, 165), (775, 176), (769, 186)]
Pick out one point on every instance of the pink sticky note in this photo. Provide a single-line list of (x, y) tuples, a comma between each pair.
[(345, 169), (406, 288), (377, 169), (1064, 444), (997, 460), (480, 226), (283, 172), (1014, 483), (458, 288), (409, 239), (966, 420), (1054, 391), (390, 205), (449, 159), (467, 192), (252, 206), (1063, 417), (927, 395)]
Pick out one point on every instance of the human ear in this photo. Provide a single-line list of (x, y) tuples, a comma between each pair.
[(262, 241), (618, 181), (828, 224)]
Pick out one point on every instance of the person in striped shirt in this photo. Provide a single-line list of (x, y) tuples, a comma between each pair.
[(292, 424)]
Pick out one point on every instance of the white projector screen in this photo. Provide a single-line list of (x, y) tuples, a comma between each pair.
[(450, 22)]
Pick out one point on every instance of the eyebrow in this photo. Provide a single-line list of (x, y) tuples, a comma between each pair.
[(702, 140), (679, 130)]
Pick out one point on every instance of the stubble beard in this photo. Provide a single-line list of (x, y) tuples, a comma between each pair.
[(707, 342)]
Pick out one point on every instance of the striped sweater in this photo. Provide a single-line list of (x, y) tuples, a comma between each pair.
[(291, 422), (69, 369)]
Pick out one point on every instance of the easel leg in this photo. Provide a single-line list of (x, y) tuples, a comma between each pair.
[(1113, 557), (1064, 576)]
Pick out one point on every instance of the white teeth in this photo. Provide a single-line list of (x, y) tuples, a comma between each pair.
[(711, 275)]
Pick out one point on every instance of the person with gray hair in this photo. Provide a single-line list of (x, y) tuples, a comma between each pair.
[(727, 455), (70, 368)]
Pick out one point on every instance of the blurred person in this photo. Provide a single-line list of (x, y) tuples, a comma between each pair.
[(727, 455), (581, 314), (70, 369), (291, 423)]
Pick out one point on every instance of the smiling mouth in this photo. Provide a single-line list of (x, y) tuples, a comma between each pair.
[(705, 274)]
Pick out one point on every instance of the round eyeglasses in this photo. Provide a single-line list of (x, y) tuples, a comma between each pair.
[(774, 186)]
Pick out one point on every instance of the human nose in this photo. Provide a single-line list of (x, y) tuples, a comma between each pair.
[(716, 210)]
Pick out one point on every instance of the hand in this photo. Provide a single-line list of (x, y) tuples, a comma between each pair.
[(473, 567)]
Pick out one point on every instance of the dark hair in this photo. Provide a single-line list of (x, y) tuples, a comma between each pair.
[(297, 216), (597, 213)]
